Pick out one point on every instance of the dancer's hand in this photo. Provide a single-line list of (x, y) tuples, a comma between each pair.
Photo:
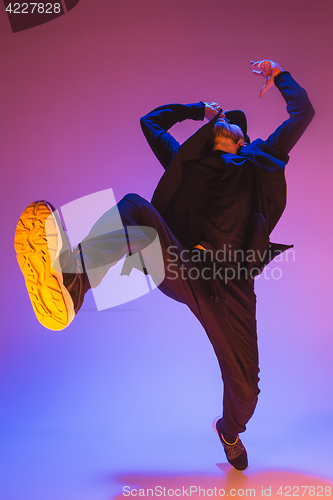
[(268, 69), (212, 109)]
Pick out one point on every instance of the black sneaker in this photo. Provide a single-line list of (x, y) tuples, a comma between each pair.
[(54, 280), (235, 452)]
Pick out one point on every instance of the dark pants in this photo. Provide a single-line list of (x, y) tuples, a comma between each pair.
[(224, 307)]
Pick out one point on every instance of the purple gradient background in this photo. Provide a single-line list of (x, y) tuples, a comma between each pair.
[(128, 393)]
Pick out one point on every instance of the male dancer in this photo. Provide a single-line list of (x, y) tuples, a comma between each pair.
[(213, 211)]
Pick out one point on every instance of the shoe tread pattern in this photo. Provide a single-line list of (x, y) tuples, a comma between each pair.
[(35, 253)]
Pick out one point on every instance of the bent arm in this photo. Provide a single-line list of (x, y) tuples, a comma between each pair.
[(300, 112), (155, 126)]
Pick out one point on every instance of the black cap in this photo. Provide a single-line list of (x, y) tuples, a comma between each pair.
[(237, 117)]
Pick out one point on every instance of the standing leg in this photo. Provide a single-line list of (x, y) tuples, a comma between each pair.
[(231, 327)]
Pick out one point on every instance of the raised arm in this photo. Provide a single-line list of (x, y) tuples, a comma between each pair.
[(155, 126), (299, 106), (300, 112)]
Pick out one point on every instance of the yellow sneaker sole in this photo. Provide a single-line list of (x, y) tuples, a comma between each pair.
[(38, 243)]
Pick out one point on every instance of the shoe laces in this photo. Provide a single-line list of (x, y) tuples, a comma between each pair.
[(233, 450)]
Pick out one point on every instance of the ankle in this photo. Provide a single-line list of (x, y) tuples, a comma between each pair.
[(230, 439)]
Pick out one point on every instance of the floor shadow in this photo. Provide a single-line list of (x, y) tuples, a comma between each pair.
[(227, 482)]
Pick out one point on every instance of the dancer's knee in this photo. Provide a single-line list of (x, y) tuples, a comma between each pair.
[(133, 210), (136, 199)]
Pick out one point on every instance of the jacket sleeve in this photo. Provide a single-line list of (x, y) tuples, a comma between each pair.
[(300, 112), (155, 126)]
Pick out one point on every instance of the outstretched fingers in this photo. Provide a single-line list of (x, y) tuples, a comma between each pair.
[(263, 68)]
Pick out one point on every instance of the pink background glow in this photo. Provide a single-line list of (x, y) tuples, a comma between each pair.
[(127, 395)]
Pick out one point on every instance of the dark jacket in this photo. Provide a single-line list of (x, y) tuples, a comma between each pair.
[(268, 159)]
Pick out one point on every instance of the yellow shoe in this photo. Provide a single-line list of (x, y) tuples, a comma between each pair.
[(39, 240)]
